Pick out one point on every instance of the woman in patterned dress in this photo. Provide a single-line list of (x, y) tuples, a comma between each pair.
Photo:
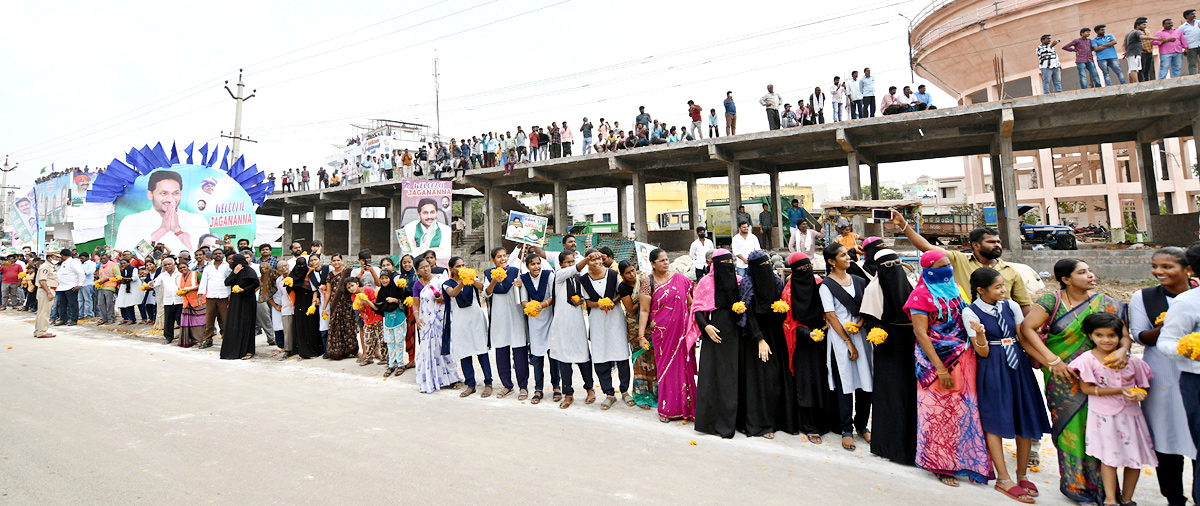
[(434, 370), (645, 373), (343, 325)]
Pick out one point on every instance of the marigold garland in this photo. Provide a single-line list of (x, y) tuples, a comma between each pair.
[(287, 281), (408, 301), (311, 310), (145, 287), (606, 304), (498, 274), (467, 275), (324, 316), (780, 306), (180, 292), (877, 336), (533, 308), (402, 283), (1189, 346), (1137, 391), (739, 307), (236, 289), (21, 275), (360, 300), (817, 335), (851, 327), (575, 299), (1161, 316)]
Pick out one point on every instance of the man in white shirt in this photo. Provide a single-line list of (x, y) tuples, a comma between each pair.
[(70, 279), (164, 222), (88, 291), (744, 243), (216, 294), (804, 239), (169, 280), (854, 89), (699, 247), (837, 98)]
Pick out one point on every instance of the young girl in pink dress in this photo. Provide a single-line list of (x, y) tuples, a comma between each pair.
[(1117, 432)]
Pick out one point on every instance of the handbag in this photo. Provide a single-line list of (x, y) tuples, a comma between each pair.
[(1044, 330)]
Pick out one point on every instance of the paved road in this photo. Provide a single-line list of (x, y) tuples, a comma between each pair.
[(92, 417)]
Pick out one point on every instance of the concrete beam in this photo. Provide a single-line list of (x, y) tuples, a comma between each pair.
[(849, 144), (378, 192), (337, 196), (1170, 126), (1004, 185), (1149, 178), (1006, 121), (799, 148), (539, 174), (670, 163), (478, 182), (618, 165), (354, 230), (641, 229), (719, 154), (299, 201)]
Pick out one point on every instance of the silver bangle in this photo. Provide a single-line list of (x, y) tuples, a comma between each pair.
[(1057, 360)]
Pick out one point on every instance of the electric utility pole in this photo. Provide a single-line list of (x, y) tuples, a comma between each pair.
[(436, 99), (237, 114), (4, 186)]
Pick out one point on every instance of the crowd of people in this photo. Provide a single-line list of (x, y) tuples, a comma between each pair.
[(935, 374), (1096, 53)]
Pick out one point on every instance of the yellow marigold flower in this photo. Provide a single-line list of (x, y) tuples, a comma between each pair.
[(851, 327), (467, 275), (145, 287), (180, 292), (575, 299), (408, 301), (236, 289), (1161, 317), (817, 335), (739, 307), (606, 304), (533, 308), (324, 316), (287, 281), (877, 336), (311, 310), (498, 274), (1137, 391), (1189, 346), (402, 283), (20, 275), (780, 306)]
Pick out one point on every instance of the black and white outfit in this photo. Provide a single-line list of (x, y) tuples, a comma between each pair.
[(607, 330)]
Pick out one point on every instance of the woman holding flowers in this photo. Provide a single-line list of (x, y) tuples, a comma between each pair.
[(538, 285), (950, 440), (306, 322), (191, 316), (606, 328), (342, 340), (237, 340), (894, 399), (1058, 316), (506, 322), (465, 336), (390, 302), (719, 312), (645, 381), (568, 329), (770, 402), (1164, 408), (803, 331), (849, 356), (435, 370)]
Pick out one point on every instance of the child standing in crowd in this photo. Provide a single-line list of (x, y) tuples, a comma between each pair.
[(1010, 401), (538, 286), (1117, 432), (607, 330), (390, 301), (568, 331), (282, 307), (342, 341), (127, 297), (372, 331), (147, 307), (466, 327), (507, 325)]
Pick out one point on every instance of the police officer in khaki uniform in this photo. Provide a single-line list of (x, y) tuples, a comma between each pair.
[(47, 280)]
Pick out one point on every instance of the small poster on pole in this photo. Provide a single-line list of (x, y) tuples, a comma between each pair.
[(526, 228), (643, 256)]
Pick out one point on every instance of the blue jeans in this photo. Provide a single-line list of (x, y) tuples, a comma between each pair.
[(468, 368), (856, 109), (1114, 65), (1084, 69), (837, 111), (587, 145), (1189, 388), (1048, 75), (1172, 62), (86, 294)]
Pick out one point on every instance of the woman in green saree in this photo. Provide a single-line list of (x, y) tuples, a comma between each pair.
[(1064, 341)]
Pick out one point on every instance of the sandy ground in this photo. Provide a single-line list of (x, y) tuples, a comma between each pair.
[(99, 417)]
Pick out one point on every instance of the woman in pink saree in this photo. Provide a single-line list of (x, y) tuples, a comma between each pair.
[(665, 315)]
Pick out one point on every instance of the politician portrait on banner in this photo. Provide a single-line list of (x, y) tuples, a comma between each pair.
[(425, 218), (181, 207)]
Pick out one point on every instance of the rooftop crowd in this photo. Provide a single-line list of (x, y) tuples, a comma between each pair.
[(1096, 53), (934, 374)]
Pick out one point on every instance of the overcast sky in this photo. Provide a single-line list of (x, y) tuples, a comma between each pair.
[(85, 81)]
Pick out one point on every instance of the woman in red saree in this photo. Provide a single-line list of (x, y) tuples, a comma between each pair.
[(663, 325)]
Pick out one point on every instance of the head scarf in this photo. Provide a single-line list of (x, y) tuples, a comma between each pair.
[(704, 296), (871, 248), (762, 281), (936, 291), (893, 280), (725, 280), (388, 290), (805, 303), (299, 274), (409, 276)]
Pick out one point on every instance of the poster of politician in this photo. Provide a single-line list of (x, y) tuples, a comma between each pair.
[(425, 218), (183, 207), (525, 228), (23, 224)]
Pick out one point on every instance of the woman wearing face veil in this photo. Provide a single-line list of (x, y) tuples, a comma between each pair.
[(894, 402), (816, 412), (769, 392), (238, 340), (717, 389), (306, 280)]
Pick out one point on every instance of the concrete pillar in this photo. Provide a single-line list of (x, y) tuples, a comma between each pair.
[(354, 230), (852, 162), (694, 209), (318, 224), (491, 212), (468, 213), (1004, 181), (1112, 195), (1177, 201), (776, 207), (562, 224), (874, 181), (641, 230), (288, 236), (1145, 157), (734, 173), (394, 207), (622, 212)]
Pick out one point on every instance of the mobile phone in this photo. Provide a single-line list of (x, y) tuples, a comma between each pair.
[(881, 214)]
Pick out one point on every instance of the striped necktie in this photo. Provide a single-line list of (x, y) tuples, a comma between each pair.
[(1010, 350)]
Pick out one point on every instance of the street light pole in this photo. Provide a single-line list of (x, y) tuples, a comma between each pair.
[(912, 73), (4, 185)]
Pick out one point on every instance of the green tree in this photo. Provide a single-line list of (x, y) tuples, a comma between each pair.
[(885, 193)]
